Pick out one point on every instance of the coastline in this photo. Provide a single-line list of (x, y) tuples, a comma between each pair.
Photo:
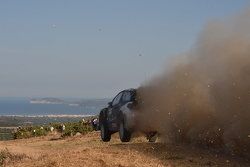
[(50, 116), (34, 120)]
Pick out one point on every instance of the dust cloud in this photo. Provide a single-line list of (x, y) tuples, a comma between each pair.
[(203, 96)]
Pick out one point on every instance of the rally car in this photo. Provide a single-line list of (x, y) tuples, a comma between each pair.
[(119, 116)]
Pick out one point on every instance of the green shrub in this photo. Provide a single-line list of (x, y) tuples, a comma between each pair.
[(39, 132), (56, 126), (75, 127), (71, 128), (31, 131)]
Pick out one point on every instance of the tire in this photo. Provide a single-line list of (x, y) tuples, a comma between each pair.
[(125, 135), (105, 134)]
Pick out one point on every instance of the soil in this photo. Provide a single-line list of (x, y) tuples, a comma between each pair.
[(88, 150)]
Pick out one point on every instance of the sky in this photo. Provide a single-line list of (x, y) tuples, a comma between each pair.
[(95, 48)]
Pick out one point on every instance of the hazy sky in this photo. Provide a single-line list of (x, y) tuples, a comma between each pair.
[(94, 48)]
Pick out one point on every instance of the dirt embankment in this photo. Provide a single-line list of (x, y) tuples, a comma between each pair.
[(88, 151)]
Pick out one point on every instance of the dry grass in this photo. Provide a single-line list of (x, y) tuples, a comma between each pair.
[(88, 150), (6, 157)]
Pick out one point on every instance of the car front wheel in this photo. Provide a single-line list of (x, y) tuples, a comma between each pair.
[(105, 134)]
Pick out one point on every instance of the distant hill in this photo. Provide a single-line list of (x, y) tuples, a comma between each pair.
[(79, 102), (48, 100)]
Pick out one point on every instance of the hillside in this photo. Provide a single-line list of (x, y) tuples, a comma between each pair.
[(88, 150)]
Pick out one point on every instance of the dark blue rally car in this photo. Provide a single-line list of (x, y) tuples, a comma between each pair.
[(119, 116)]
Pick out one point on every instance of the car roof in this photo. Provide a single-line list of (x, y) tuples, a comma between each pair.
[(129, 90)]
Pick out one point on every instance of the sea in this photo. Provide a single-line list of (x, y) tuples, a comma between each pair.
[(16, 112), (23, 107)]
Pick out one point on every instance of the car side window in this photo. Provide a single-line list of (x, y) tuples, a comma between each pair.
[(117, 99), (126, 97)]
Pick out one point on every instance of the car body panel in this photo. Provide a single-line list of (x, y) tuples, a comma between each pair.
[(129, 115), (120, 106)]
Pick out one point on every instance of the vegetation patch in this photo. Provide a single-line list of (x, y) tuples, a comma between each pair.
[(6, 134), (7, 157), (66, 129), (31, 131), (76, 127)]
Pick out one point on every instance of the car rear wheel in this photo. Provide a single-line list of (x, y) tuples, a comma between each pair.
[(152, 137), (125, 135)]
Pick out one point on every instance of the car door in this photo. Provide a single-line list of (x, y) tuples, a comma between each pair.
[(114, 110)]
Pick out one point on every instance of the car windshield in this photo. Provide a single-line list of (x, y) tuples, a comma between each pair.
[(126, 97)]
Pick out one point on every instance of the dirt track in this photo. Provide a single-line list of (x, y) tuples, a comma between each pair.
[(88, 150)]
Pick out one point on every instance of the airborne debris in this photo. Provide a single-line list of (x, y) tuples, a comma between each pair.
[(208, 98)]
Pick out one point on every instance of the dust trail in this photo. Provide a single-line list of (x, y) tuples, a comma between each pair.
[(204, 96)]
